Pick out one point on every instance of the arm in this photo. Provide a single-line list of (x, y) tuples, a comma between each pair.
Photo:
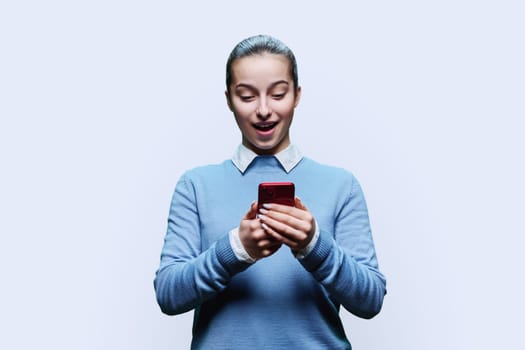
[(187, 277), (346, 266)]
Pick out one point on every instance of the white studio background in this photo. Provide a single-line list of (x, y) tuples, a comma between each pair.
[(103, 104)]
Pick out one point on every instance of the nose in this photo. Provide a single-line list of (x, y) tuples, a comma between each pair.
[(263, 111)]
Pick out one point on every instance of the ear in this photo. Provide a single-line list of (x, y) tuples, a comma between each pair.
[(297, 96), (228, 101)]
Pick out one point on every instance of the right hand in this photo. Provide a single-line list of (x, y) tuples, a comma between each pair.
[(257, 243)]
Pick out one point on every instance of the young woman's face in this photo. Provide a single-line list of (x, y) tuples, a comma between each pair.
[(262, 96)]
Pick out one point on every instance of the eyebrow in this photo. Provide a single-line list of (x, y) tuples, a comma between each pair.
[(243, 85)]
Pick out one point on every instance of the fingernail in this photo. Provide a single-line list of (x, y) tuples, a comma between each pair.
[(264, 226), (260, 216), (267, 205), (263, 211)]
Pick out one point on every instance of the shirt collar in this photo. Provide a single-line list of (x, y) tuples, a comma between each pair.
[(288, 157)]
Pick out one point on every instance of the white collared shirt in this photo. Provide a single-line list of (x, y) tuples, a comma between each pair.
[(288, 157)]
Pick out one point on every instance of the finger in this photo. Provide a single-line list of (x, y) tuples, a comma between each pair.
[(301, 222), (281, 208), (252, 212), (299, 204), (268, 243), (296, 234), (280, 228), (280, 238), (293, 216)]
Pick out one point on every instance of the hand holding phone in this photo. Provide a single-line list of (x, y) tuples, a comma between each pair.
[(296, 233)]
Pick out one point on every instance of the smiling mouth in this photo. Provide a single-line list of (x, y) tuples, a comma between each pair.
[(265, 126)]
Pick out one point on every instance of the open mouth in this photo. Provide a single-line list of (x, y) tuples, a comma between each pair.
[(265, 126)]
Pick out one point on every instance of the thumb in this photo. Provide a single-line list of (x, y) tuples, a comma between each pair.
[(252, 212)]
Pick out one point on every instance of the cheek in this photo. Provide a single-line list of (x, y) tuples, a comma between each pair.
[(284, 110), (242, 116), (243, 110)]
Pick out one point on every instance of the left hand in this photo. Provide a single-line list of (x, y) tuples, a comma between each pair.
[(293, 226)]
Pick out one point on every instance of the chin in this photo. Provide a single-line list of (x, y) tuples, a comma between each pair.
[(270, 146), (268, 149)]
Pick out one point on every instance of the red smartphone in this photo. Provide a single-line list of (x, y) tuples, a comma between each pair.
[(276, 192)]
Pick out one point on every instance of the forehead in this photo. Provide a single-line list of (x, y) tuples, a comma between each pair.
[(260, 68)]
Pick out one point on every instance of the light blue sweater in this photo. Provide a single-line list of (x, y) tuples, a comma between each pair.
[(279, 302)]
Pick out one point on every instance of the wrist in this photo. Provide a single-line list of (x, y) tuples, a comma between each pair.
[(302, 253), (238, 248)]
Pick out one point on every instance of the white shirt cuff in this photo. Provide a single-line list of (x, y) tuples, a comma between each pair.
[(238, 248)]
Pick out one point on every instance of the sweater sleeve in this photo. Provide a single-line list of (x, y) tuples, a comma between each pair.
[(344, 261), (187, 277)]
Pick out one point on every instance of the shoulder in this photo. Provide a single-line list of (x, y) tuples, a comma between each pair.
[(318, 168), (205, 178), (338, 179), (209, 171)]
